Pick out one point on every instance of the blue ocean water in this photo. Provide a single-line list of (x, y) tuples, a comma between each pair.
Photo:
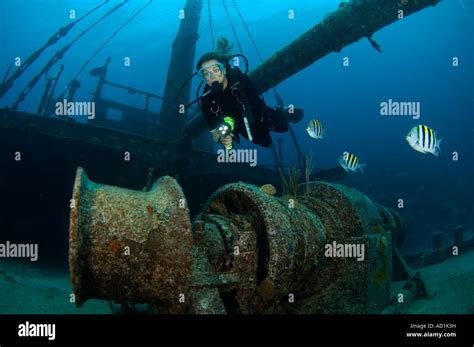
[(416, 66)]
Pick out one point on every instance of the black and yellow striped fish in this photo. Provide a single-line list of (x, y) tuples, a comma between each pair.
[(423, 139), (350, 162), (315, 129)]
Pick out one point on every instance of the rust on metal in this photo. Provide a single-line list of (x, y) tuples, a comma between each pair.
[(129, 245), (246, 252)]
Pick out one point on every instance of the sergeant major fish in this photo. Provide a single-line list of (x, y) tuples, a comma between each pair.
[(350, 162), (315, 129), (423, 139)]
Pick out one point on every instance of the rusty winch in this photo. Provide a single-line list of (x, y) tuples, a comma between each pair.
[(246, 252)]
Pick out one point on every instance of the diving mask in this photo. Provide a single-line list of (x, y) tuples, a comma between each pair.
[(210, 70)]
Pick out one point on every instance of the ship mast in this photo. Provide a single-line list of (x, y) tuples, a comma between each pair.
[(180, 68)]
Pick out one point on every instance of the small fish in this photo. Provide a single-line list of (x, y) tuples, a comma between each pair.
[(350, 162), (423, 139), (269, 189), (315, 129)]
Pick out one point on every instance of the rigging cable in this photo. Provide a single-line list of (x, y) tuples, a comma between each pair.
[(210, 23), (62, 32), (278, 97), (58, 56), (248, 31), (103, 45), (232, 26)]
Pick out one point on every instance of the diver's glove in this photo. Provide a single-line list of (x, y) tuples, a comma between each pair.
[(218, 138), (225, 129)]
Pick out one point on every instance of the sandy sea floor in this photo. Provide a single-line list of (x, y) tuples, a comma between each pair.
[(27, 288)]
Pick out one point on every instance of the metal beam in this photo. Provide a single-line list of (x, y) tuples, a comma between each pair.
[(180, 68), (348, 24)]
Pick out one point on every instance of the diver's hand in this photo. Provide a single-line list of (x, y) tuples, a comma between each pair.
[(226, 140), (215, 135), (218, 138)]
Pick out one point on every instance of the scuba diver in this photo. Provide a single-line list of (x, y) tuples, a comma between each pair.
[(232, 106)]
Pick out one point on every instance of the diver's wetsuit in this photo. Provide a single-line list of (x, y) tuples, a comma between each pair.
[(262, 119)]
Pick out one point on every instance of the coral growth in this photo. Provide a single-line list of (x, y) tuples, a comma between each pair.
[(308, 169), (269, 189), (289, 187)]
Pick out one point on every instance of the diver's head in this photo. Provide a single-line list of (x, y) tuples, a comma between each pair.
[(212, 68)]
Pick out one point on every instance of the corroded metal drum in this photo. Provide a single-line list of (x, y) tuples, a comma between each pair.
[(288, 258), (246, 252), (286, 247), (129, 245)]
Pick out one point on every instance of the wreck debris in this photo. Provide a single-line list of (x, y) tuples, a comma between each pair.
[(128, 245), (246, 252), (348, 24)]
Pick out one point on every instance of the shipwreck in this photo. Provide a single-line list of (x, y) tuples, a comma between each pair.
[(184, 239)]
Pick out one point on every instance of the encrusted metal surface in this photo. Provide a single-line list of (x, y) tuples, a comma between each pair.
[(129, 245), (246, 252)]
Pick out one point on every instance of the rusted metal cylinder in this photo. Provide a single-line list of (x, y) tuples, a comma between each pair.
[(349, 216), (290, 240), (357, 213), (394, 223), (128, 245), (287, 244), (247, 253)]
